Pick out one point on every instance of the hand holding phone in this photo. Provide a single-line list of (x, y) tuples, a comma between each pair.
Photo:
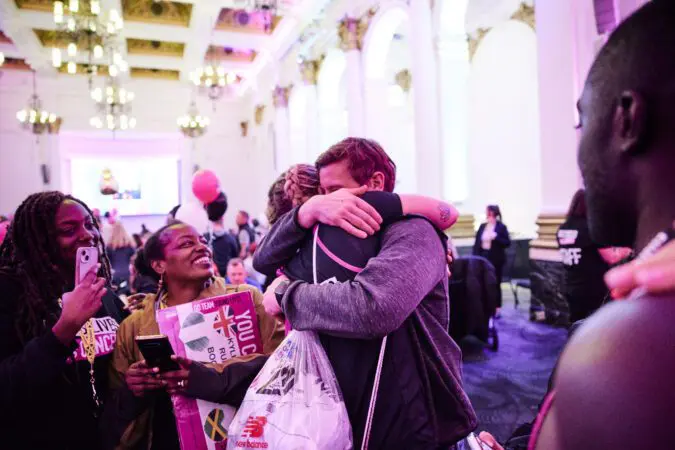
[(79, 305), (157, 352)]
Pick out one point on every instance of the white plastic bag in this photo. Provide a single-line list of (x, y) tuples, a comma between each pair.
[(294, 403)]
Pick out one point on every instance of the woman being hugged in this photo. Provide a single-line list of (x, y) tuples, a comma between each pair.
[(140, 414), (55, 337)]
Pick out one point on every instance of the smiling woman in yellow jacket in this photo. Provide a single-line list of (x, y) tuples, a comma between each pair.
[(140, 414)]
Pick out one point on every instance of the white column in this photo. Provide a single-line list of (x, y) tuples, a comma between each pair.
[(350, 43), (309, 70), (454, 66), (282, 129), (355, 103), (377, 107), (313, 145), (425, 92), (559, 65)]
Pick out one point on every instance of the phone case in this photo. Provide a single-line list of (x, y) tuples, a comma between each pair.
[(86, 260), (157, 352)]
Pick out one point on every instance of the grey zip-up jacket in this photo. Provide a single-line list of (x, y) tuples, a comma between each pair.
[(403, 293)]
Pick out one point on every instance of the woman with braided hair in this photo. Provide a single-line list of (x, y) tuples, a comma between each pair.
[(55, 337), (341, 256)]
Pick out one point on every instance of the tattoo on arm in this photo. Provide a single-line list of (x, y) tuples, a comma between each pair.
[(445, 211)]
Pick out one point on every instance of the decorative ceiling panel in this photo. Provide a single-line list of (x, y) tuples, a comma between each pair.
[(155, 48), (61, 39), (85, 69), (246, 22), (35, 5), (157, 12), (4, 39), (15, 64), (139, 72), (218, 53)]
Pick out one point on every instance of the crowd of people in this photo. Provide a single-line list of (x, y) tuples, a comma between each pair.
[(367, 270)]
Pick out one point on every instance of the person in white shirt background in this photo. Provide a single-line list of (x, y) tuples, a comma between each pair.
[(492, 240)]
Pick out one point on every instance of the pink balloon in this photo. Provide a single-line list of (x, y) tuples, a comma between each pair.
[(205, 186)]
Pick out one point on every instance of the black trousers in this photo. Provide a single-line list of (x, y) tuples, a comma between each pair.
[(499, 269)]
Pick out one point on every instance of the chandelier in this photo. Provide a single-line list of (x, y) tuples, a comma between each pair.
[(214, 79), (34, 118), (113, 104), (89, 34), (193, 124)]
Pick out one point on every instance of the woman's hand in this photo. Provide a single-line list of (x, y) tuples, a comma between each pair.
[(656, 274), (135, 302), (176, 381), (450, 259), (490, 441), (142, 379), (270, 302), (79, 306)]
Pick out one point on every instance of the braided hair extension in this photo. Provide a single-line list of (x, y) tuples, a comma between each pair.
[(302, 182), (31, 254)]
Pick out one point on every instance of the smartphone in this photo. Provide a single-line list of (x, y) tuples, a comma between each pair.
[(157, 351), (85, 261)]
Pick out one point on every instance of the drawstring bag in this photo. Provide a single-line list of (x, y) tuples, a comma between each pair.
[(295, 402)]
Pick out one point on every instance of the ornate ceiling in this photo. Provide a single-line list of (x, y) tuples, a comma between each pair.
[(161, 38), (162, 12)]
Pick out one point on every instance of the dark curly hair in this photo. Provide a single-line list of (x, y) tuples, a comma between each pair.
[(278, 203), (30, 253)]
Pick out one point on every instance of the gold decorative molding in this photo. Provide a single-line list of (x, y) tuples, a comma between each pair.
[(35, 5), (259, 114), (404, 80), (465, 227), (309, 70), (241, 21), (352, 31), (244, 128), (474, 41), (525, 14), (547, 230), (218, 53), (155, 48), (86, 69), (158, 74), (61, 39), (161, 13), (280, 96)]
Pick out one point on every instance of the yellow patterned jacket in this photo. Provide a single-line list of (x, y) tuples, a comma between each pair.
[(143, 323)]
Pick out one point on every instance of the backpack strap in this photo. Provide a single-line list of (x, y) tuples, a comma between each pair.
[(373, 396)]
